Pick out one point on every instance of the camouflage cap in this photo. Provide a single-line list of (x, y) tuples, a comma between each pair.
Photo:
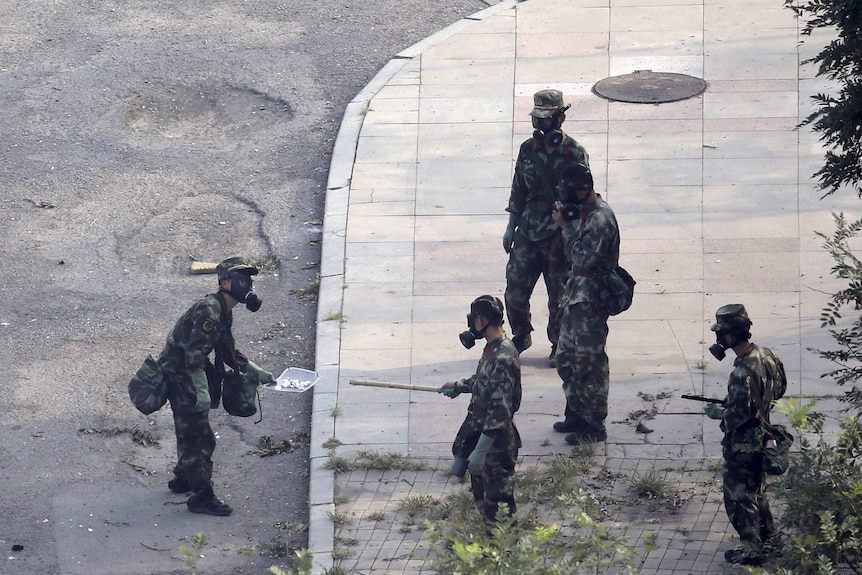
[(546, 102), (235, 264), (731, 316)]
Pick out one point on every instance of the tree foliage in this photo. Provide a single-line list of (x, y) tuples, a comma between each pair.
[(822, 491), (838, 116)]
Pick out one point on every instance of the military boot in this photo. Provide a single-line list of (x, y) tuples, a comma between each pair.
[(522, 341), (179, 484), (209, 504), (740, 556)]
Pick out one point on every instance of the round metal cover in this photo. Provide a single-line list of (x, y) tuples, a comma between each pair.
[(648, 87)]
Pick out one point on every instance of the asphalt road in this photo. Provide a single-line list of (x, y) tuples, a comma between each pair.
[(136, 137)]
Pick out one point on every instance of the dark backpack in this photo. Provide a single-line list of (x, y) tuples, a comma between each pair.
[(148, 389), (775, 441), (621, 288)]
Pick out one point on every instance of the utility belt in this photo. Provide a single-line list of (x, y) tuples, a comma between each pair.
[(578, 271)]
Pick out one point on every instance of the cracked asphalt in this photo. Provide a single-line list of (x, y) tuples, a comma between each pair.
[(136, 138)]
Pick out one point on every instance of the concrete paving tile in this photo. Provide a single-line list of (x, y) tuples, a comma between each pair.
[(382, 208), (749, 124), (437, 424), (392, 148), (431, 200), (374, 269), (750, 144), (762, 199), (391, 91), (758, 16), (434, 260), (749, 105), (381, 229), (691, 65), (813, 222), (655, 173), (458, 228), (544, 44), (775, 272), (674, 227), (377, 336), (439, 372), (379, 134), (384, 176), (690, 109), (687, 41), (474, 109), (535, 19), (752, 85), (459, 289), (356, 364), (465, 72), (640, 141), (383, 114), (572, 68), (387, 301), (740, 226), (472, 173), (478, 46), (656, 18), (746, 171), (458, 139), (744, 66)]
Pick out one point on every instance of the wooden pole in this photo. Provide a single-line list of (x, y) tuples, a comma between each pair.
[(393, 385)]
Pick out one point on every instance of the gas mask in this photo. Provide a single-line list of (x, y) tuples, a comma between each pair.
[(547, 130), (574, 179), (241, 290), (718, 348), (468, 338), (485, 306)]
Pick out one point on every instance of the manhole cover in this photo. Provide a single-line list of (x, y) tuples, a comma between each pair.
[(648, 87)]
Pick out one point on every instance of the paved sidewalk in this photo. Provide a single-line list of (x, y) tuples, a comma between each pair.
[(715, 204)]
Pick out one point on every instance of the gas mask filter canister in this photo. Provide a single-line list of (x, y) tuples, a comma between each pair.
[(717, 351)]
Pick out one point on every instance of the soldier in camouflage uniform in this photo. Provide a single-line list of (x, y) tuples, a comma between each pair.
[(532, 238), (757, 380), (592, 243), (488, 438), (203, 328)]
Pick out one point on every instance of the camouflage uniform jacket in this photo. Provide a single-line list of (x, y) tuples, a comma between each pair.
[(593, 246), (757, 380), (204, 327), (534, 185), (495, 397)]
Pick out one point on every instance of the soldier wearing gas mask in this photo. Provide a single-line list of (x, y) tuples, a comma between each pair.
[(487, 442), (592, 243), (757, 380), (532, 237), (205, 327)]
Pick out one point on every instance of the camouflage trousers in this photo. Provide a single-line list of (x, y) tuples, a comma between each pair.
[(745, 500), (195, 445), (527, 261), (495, 485), (582, 363)]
